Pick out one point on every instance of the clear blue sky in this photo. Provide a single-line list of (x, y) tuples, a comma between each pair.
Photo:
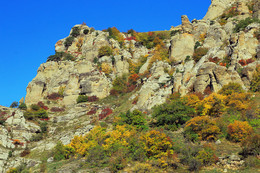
[(29, 30)]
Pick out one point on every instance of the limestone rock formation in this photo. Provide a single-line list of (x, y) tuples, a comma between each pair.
[(202, 56)]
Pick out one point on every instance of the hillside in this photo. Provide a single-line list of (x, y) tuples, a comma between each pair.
[(181, 100)]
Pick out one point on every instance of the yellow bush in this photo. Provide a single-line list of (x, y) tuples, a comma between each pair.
[(157, 144), (119, 136), (214, 105), (106, 68), (239, 101), (203, 126), (81, 144)]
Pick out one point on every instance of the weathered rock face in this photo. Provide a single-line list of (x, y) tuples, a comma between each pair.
[(256, 9), (70, 78), (15, 128), (217, 8), (182, 45), (186, 25)]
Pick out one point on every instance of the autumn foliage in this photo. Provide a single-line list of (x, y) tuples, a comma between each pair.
[(239, 130), (202, 126)]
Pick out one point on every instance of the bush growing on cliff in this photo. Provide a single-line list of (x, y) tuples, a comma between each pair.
[(61, 56), (255, 83), (231, 88), (68, 41), (14, 105), (105, 51), (242, 24), (199, 53), (82, 98), (75, 31), (22, 106)]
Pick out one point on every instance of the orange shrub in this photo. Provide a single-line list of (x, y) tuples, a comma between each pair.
[(239, 130)]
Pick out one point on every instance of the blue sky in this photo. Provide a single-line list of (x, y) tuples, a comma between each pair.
[(29, 30)]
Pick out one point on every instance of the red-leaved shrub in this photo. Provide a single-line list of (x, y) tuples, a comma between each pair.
[(54, 96), (57, 109), (25, 152), (92, 111), (215, 60), (92, 98), (242, 62), (105, 112), (248, 61), (41, 104)]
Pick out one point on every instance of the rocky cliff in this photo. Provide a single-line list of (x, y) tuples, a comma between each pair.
[(198, 56), (214, 35)]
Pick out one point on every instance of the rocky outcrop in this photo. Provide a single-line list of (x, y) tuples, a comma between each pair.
[(182, 45), (186, 25), (217, 8), (14, 136), (70, 78)]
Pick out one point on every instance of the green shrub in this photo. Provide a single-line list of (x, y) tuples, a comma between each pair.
[(197, 44), (97, 157), (42, 114), (207, 155), (43, 127), (135, 118), (22, 106), (119, 85), (95, 60), (242, 24), (28, 115), (187, 59), (35, 107), (75, 31), (61, 56), (199, 53), (105, 51), (252, 161), (251, 145), (194, 165), (59, 152), (174, 113), (68, 57), (68, 41), (82, 98), (231, 88), (37, 137)]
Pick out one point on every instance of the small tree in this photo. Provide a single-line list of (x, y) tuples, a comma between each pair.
[(14, 105)]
